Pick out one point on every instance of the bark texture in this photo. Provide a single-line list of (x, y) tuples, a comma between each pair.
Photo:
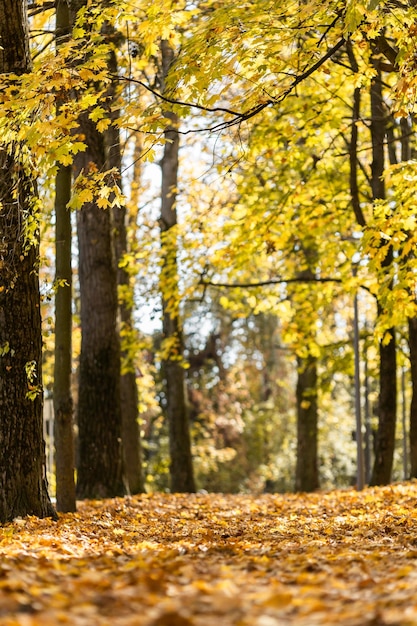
[(22, 451), (99, 450), (99, 415)]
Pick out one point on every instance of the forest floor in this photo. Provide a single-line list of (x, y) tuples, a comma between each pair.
[(343, 557)]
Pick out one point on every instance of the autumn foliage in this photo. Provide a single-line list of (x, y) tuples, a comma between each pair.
[(342, 557)]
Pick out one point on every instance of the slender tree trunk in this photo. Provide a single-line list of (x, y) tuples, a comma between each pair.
[(412, 342), (385, 439), (181, 469), (307, 475), (387, 405), (132, 453), (99, 454), (22, 459), (131, 442), (353, 160), (63, 406), (406, 155)]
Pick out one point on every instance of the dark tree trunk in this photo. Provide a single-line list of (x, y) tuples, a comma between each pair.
[(131, 443), (99, 452), (385, 439), (63, 405), (99, 415), (406, 155), (387, 403), (22, 458), (306, 475), (132, 453), (412, 342), (181, 468)]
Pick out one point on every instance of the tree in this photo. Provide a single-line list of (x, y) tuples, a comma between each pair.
[(306, 476), (385, 440), (62, 394), (132, 454), (22, 461), (99, 469), (181, 470)]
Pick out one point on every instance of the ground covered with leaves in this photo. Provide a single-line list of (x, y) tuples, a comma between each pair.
[(341, 557)]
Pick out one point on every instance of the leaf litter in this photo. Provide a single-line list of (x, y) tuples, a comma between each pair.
[(342, 557)]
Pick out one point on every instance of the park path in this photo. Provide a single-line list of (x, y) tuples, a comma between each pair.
[(343, 558)]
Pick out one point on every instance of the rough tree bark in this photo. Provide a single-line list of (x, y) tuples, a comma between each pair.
[(99, 451), (98, 412), (22, 459)]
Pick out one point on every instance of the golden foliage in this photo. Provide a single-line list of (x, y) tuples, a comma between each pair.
[(177, 560)]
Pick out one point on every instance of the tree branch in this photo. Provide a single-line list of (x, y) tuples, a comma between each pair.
[(388, 51), (245, 115), (160, 96), (353, 147), (276, 281), (34, 9)]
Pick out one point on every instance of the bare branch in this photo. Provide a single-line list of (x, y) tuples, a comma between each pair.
[(160, 96), (277, 281), (34, 8)]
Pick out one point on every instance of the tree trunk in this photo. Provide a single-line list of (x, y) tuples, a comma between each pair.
[(62, 396), (131, 444), (306, 475), (387, 404), (63, 406), (406, 155), (181, 468), (412, 342), (99, 452), (99, 413), (132, 452), (385, 437), (22, 459)]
